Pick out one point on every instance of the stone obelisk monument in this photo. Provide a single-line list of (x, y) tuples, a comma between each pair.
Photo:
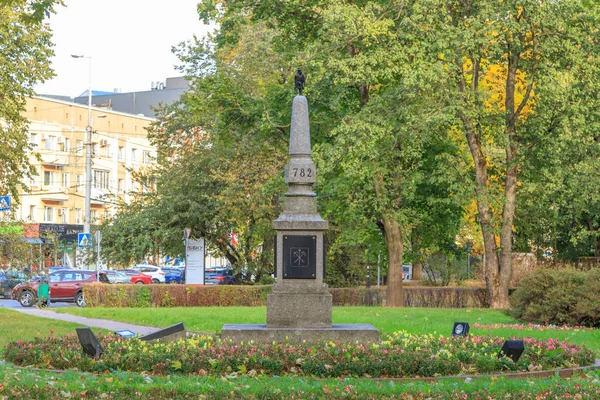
[(299, 305), (299, 297)]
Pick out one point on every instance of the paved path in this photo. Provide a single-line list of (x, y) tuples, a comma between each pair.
[(92, 322)]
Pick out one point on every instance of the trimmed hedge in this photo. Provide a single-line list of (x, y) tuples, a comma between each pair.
[(103, 295), (558, 297)]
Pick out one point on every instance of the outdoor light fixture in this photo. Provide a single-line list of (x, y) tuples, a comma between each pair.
[(512, 349), (90, 344), (126, 333), (460, 329)]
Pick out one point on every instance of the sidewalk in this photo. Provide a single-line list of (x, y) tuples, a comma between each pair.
[(109, 325)]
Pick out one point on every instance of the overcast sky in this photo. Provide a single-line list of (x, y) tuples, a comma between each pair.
[(129, 42)]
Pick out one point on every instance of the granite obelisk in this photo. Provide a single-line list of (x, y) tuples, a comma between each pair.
[(299, 305), (299, 298)]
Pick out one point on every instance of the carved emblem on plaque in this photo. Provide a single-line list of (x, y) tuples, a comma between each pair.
[(299, 256)]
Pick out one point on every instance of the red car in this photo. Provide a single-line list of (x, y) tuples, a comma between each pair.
[(137, 276), (65, 286)]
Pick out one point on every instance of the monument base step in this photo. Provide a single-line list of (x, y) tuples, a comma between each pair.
[(343, 333)]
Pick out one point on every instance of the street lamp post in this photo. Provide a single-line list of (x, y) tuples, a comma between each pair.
[(88, 154)]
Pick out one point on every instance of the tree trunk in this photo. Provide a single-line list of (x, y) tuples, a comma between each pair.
[(395, 248), (417, 272)]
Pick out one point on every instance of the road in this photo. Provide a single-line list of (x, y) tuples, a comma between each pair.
[(6, 303)]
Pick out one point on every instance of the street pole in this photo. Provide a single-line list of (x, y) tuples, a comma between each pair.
[(88, 158)]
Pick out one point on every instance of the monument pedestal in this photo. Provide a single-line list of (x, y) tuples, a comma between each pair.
[(299, 305), (261, 334)]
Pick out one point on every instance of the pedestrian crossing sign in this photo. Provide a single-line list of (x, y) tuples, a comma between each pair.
[(5, 203), (84, 240)]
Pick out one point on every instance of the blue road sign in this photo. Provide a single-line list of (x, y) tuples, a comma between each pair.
[(84, 240), (5, 203)]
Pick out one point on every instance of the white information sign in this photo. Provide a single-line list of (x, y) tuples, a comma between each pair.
[(194, 266)]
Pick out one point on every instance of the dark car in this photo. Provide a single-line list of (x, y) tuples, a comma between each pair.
[(8, 280), (65, 286), (172, 275), (218, 276)]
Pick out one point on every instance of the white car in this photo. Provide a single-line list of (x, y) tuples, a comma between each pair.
[(157, 274)]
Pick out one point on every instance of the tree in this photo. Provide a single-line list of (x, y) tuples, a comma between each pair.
[(25, 52), (368, 150), (500, 65)]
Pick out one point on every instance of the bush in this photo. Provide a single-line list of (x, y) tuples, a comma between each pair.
[(103, 295), (559, 297)]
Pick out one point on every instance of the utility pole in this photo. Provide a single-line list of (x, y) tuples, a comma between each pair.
[(88, 157)]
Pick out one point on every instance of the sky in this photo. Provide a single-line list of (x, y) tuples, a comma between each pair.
[(129, 42)]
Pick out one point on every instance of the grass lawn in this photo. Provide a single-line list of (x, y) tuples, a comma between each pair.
[(386, 320), (25, 383)]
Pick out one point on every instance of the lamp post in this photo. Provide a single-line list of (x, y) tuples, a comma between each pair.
[(88, 153)]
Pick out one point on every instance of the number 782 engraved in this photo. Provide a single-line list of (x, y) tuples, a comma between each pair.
[(304, 173)]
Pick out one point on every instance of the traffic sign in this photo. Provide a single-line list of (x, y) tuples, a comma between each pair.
[(5, 203), (84, 240)]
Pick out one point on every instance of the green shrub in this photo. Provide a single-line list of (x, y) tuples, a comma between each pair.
[(559, 297)]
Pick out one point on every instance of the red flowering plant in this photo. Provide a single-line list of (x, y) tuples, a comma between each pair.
[(398, 355)]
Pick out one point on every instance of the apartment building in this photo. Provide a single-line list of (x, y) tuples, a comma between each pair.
[(54, 199)]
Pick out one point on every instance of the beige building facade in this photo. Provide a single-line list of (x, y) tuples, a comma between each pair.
[(55, 197)]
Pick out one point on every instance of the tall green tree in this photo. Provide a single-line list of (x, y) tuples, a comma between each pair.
[(25, 52), (500, 65), (367, 144)]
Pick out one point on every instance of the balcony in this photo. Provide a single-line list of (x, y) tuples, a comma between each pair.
[(58, 158), (100, 196)]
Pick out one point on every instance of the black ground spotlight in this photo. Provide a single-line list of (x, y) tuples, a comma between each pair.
[(512, 349), (90, 344), (460, 329)]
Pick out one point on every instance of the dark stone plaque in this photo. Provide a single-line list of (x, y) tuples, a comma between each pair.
[(299, 257)]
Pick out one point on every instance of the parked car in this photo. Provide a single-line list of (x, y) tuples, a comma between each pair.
[(64, 285), (157, 274), (57, 268), (116, 276), (137, 277), (172, 275), (8, 280), (218, 276)]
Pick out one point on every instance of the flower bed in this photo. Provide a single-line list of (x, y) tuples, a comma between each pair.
[(398, 355)]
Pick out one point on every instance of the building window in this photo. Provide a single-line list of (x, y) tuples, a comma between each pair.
[(101, 179), (78, 182), (48, 214), (48, 178), (67, 144), (79, 147), (146, 157), (50, 143), (133, 155), (95, 149), (78, 216), (65, 180), (121, 186), (120, 153), (93, 215), (63, 213), (32, 213), (107, 150), (33, 139)]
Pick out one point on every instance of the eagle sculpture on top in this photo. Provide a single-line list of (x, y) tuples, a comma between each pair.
[(299, 81)]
